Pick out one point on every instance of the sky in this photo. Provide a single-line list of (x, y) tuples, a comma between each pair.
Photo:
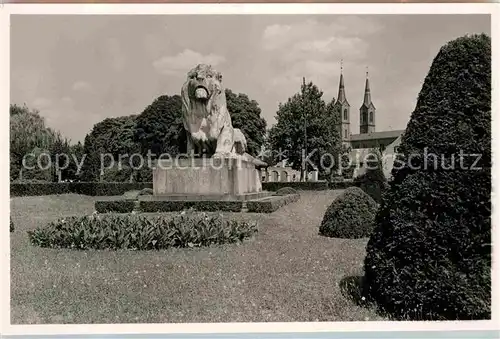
[(80, 69)]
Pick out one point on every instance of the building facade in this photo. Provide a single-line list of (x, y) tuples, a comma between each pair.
[(368, 139)]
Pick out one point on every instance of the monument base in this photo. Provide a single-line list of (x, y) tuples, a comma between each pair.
[(225, 178)]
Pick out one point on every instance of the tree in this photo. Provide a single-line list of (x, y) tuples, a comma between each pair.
[(429, 256), (27, 133), (245, 115), (305, 115), (111, 140), (76, 154), (159, 128)]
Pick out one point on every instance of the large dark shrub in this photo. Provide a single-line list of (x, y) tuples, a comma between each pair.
[(351, 215), (140, 232), (11, 226), (429, 256)]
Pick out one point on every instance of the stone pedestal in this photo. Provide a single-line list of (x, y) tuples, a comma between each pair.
[(230, 178)]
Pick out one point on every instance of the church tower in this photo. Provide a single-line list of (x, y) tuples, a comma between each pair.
[(367, 111), (342, 106)]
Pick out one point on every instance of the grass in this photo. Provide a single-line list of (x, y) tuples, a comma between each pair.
[(287, 272)]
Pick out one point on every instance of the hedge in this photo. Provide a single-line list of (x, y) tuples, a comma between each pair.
[(297, 185), (118, 206), (198, 205), (119, 188), (85, 188), (271, 204)]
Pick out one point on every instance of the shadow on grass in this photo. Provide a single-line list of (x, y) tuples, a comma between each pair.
[(351, 288)]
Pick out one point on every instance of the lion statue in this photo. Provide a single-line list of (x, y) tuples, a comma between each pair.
[(205, 115)]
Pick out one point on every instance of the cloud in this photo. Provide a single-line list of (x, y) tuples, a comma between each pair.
[(184, 61), (81, 86), (314, 48), (275, 37)]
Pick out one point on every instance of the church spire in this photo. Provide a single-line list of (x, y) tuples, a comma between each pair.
[(368, 98), (367, 111), (341, 97)]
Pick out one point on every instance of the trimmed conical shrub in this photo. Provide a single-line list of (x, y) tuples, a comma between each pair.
[(429, 256), (349, 216)]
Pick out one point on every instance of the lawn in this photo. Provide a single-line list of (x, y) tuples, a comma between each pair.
[(287, 272)]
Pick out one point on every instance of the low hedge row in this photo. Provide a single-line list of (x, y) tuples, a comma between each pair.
[(119, 188), (85, 188), (271, 204), (118, 206), (198, 205), (298, 185)]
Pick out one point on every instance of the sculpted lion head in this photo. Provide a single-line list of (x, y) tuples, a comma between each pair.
[(204, 106), (202, 93)]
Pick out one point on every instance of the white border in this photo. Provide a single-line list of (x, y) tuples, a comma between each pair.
[(482, 8)]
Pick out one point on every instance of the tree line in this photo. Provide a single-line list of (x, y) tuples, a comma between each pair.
[(305, 120)]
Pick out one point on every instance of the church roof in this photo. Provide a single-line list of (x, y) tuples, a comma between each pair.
[(377, 135)]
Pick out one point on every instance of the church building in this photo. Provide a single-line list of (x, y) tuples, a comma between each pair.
[(368, 138)]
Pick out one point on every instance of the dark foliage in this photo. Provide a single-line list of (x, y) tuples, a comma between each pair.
[(287, 135), (113, 136), (429, 256), (11, 226), (139, 232), (159, 128), (350, 216), (245, 115), (271, 204)]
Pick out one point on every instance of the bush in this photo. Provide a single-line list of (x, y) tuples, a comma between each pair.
[(271, 204), (139, 232), (118, 206), (285, 191), (429, 256), (11, 226), (350, 216)]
